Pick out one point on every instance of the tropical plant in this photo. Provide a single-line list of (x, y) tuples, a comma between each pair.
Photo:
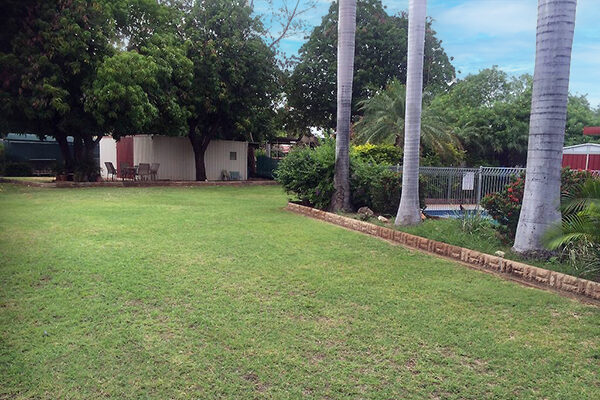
[(383, 122), (578, 235), (556, 24), (408, 211), (345, 69)]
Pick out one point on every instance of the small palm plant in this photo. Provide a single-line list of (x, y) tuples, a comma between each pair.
[(383, 123), (578, 235)]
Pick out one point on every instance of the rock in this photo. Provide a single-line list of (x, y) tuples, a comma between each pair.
[(365, 213), (383, 219), (499, 253)]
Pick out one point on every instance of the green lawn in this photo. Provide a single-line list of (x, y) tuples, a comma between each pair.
[(214, 292)]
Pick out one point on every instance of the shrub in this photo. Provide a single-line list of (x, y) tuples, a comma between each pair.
[(17, 169), (308, 173), (375, 186), (505, 206), (378, 153)]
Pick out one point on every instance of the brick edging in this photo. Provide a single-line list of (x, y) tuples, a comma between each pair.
[(120, 183), (513, 270)]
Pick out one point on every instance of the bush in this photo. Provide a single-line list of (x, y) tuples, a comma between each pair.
[(17, 169), (308, 173), (378, 153), (505, 206)]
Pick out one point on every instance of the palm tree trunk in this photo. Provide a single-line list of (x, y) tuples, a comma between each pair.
[(345, 68), (555, 25), (408, 211)]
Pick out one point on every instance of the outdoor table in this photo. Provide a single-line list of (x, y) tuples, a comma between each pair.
[(130, 172)]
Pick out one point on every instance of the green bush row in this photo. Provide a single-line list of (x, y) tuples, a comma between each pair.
[(308, 174)]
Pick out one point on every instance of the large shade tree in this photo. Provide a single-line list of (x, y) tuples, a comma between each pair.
[(541, 198), (234, 87), (49, 54), (345, 69), (208, 76), (380, 55), (408, 210)]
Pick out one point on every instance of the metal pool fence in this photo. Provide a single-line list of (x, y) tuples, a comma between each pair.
[(451, 188)]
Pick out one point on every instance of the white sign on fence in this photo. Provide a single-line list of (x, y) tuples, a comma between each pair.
[(468, 181)]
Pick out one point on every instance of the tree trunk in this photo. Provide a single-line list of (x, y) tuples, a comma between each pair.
[(408, 211), (345, 67), (251, 162), (199, 145), (65, 151), (541, 198)]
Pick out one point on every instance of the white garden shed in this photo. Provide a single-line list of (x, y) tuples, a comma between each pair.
[(175, 156)]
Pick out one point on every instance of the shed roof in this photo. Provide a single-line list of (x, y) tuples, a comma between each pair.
[(585, 148)]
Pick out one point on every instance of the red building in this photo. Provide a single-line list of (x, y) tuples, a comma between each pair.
[(582, 156)]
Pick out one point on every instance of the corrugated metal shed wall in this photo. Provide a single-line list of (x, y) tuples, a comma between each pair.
[(176, 157)]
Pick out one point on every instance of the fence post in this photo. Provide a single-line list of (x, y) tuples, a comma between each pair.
[(479, 183), (449, 193)]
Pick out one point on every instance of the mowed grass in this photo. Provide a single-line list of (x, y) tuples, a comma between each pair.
[(220, 293)]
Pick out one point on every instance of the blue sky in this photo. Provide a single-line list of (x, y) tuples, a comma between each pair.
[(482, 33)]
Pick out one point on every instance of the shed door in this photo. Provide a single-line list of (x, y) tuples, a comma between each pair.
[(124, 153)]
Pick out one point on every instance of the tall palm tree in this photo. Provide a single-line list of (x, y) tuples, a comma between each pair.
[(408, 211), (383, 122), (345, 68), (555, 26)]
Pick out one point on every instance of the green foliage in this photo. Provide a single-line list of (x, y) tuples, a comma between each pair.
[(375, 186), (579, 115), (17, 169), (578, 235), (51, 59), (144, 91), (234, 71), (378, 153), (383, 122), (381, 48), (308, 174), (505, 206), (489, 112)]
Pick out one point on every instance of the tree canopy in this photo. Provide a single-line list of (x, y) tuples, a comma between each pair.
[(489, 112), (380, 55), (87, 68), (49, 62)]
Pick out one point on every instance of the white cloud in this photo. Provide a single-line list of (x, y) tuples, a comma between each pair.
[(491, 17)]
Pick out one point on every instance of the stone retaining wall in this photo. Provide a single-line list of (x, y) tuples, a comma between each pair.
[(523, 273)]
